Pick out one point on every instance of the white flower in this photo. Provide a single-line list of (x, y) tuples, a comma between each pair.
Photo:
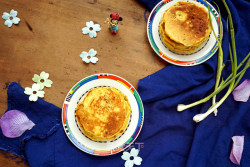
[(131, 158), (42, 80), (89, 56), (34, 92), (91, 29), (10, 18)]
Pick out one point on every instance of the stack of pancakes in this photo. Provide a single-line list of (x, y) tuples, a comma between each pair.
[(184, 27), (103, 114)]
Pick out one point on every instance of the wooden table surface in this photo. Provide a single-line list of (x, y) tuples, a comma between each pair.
[(49, 38)]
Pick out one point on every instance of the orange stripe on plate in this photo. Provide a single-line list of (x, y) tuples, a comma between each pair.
[(116, 78), (124, 84), (117, 150), (218, 18), (177, 62), (166, 1), (102, 153), (64, 107)]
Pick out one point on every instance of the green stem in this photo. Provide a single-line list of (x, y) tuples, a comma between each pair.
[(230, 80), (233, 84), (200, 117), (241, 63), (182, 107), (234, 65), (220, 88), (220, 54), (214, 107), (232, 34)]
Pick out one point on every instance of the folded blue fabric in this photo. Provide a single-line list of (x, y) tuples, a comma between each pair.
[(169, 138), (45, 115), (46, 144)]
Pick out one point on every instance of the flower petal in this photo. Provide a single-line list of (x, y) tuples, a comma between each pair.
[(92, 34), (15, 20), (96, 27), (85, 30), (14, 123), (35, 87), (134, 152), (36, 78), (33, 97), (237, 149), (86, 59), (48, 83), (41, 86), (125, 156), (13, 13), (8, 23), (84, 54), (93, 59), (92, 52), (44, 75), (242, 92), (129, 163), (40, 93), (137, 160), (28, 91), (89, 24), (6, 16)]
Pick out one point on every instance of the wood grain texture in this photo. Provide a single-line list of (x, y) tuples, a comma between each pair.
[(49, 38)]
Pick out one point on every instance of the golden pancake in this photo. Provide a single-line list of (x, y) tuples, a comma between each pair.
[(103, 114), (186, 23), (175, 46), (172, 45), (184, 27)]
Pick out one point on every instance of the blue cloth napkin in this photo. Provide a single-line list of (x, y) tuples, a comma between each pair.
[(169, 138)]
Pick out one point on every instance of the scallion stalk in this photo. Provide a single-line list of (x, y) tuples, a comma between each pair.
[(200, 117), (231, 79), (241, 63), (220, 64), (182, 107)]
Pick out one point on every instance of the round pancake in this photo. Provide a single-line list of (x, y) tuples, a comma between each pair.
[(172, 45), (175, 46), (103, 114), (187, 23)]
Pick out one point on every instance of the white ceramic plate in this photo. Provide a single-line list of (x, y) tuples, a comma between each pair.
[(78, 92), (200, 55)]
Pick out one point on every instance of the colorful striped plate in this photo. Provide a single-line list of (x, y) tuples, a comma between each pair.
[(200, 55), (77, 94)]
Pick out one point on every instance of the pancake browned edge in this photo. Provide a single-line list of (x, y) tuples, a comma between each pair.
[(103, 114), (184, 27)]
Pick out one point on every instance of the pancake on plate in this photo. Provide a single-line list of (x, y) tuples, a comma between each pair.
[(184, 27), (103, 114)]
